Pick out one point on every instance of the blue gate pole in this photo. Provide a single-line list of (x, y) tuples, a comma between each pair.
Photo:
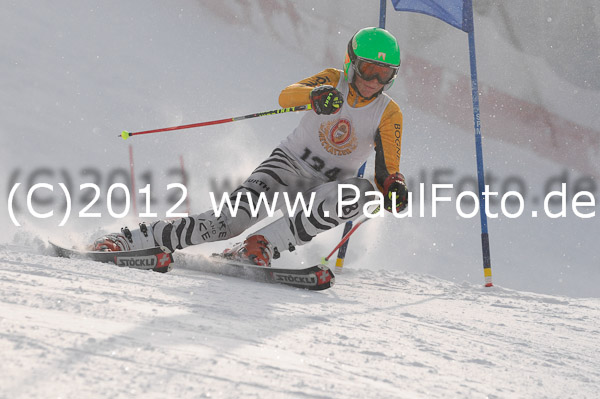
[(382, 13), (485, 241), (341, 255)]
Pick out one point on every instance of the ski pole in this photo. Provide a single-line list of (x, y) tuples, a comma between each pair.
[(346, 237), (125, 134), (339, 263)]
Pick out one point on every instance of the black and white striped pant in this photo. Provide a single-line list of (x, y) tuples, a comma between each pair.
[(280, 172)]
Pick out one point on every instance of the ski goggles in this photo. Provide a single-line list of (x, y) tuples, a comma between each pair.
[(369, 70)]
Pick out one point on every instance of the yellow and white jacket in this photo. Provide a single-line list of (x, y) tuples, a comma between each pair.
[(335, 146)]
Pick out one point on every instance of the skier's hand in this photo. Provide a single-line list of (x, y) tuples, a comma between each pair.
[(394, 190), (326, 100)]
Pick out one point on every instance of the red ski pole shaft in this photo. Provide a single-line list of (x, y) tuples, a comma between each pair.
[(345, 238), (125, 134), (349, 233)]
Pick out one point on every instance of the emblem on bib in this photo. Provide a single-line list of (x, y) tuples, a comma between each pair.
[(338, 137)]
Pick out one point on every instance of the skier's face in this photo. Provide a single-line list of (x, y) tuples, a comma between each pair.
[(367, 88)]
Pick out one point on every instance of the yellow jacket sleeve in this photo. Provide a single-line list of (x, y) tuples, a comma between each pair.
[(388, 144), (299, 93)]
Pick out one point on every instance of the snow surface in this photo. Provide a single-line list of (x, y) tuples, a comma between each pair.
[(83, 329), (408, 317)]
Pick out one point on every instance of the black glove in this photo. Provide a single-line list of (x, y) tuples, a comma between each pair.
[(326, 100), (395, 187)]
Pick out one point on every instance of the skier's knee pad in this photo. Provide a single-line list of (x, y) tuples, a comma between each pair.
[(350, 202), (363, 185)]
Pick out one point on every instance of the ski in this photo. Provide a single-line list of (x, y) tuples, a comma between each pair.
[(316, 278), (157, 259)]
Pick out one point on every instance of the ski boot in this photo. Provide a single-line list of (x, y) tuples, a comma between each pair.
[(255, 250), (126, 240)]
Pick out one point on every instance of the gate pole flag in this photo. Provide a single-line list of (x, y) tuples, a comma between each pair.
[(459, 13)]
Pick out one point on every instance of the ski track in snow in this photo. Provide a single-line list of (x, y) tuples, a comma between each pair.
[(73, 328)]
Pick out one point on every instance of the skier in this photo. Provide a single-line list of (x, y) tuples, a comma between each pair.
[(351, 117)]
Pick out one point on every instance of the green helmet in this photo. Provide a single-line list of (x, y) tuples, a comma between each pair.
[(372, 46)]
